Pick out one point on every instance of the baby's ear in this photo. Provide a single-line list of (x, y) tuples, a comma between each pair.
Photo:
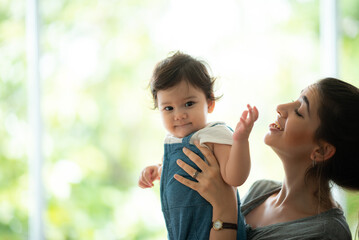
[(211, 104)]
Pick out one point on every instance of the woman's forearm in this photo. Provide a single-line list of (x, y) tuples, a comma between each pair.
[(226, 213)]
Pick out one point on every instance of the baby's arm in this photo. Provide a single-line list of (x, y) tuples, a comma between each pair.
[(235, 161), (149, 175)]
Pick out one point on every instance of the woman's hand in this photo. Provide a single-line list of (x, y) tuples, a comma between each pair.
[(210, 183), (210, 186)]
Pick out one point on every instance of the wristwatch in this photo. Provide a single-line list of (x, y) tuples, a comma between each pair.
[(218, 225)]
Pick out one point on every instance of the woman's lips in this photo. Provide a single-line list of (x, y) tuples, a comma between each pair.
[(276, 126)]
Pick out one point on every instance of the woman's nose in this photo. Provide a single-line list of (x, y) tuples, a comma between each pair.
[(282, 110)]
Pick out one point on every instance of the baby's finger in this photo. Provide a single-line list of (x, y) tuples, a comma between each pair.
[(146, 177), (244, 115), (142, 184), (240, 122), (255, 113)]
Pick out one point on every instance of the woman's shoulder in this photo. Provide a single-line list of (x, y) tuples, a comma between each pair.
[(265, 184), (328, 225), (335, 224), (260, 188), (258, 193)]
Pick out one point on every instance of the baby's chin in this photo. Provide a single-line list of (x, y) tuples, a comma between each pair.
[(182, 135), (184, 130)]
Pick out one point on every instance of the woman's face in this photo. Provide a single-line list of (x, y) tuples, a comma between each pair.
[(292, 134)]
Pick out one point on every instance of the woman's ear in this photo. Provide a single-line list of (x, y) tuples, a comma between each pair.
[(323, 152), (211, 104)]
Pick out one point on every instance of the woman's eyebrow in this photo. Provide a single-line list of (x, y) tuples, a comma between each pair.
[(307, 102)]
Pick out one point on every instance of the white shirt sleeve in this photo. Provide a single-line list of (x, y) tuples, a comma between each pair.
[(217, 132)]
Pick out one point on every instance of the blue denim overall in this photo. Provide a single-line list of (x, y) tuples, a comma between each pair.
[(187, 215)]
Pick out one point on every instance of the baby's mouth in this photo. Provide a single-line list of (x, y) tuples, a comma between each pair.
[(183, 125)]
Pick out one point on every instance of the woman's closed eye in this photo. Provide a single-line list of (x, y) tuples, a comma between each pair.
[(189, 104), (297, 111), (298, 114)]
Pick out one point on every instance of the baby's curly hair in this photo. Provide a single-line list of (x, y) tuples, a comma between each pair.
[(181, 67)]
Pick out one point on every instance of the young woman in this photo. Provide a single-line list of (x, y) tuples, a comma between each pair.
[(316, 138)]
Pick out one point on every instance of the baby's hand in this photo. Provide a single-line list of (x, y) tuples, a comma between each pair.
[(245, 124), (148, 175)]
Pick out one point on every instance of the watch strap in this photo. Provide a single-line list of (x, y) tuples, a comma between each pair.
[(229, 226)]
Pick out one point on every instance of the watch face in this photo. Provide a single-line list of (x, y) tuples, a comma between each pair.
[(217, 224)]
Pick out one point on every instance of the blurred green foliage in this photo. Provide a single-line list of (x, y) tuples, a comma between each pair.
[(96, 60)]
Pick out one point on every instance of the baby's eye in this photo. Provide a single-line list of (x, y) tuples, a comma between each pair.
[(168, 108), (190, 103)]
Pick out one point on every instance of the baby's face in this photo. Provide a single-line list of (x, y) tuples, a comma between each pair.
[(183, 108)]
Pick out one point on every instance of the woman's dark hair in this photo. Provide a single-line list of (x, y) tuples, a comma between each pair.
[(181, 67), (339, 125)]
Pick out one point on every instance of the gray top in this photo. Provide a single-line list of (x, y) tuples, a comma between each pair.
[(327, 225)]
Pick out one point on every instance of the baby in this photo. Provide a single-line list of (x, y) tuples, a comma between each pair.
[(182, 90)]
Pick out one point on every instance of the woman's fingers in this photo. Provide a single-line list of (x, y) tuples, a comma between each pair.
[(188, 169), (211, 159), (191, 171), (191, 184), (195, 158)]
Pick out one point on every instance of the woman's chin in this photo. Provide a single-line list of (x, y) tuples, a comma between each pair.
[(267, 139)]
